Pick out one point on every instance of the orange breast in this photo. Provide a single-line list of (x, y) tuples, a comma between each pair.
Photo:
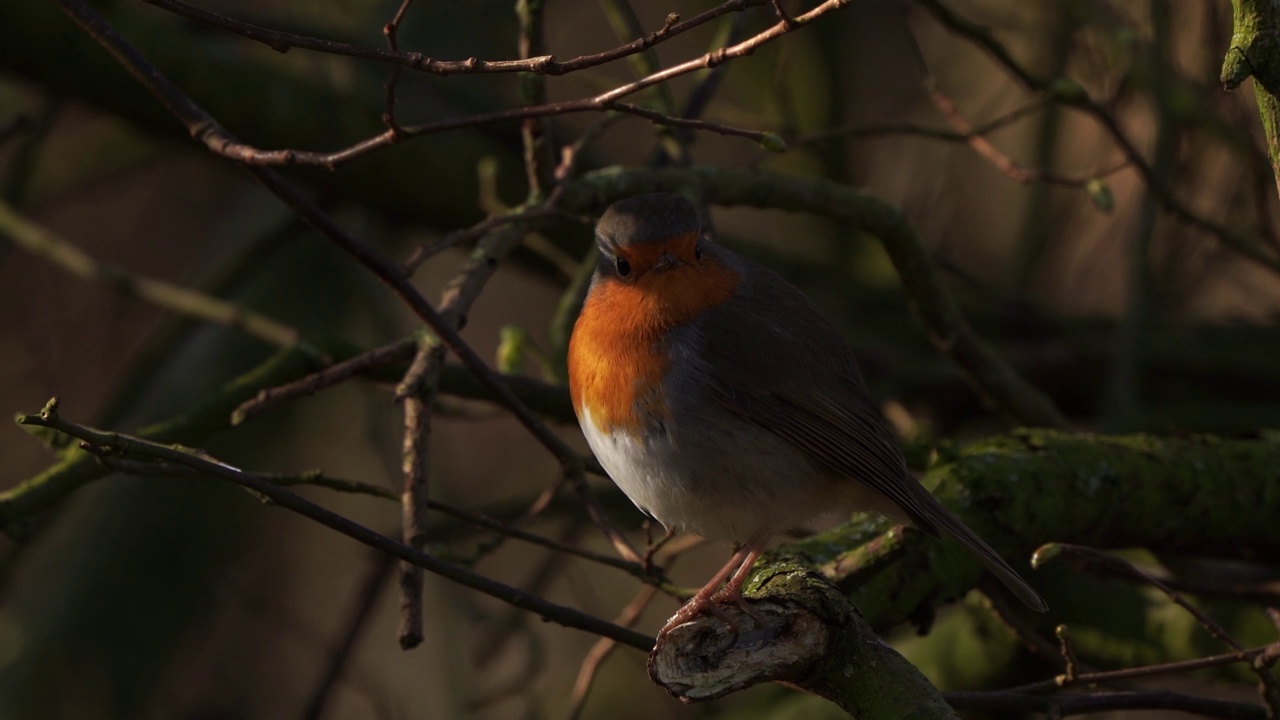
[(618, 354)]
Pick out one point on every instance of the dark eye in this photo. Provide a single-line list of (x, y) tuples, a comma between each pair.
[(697, 251), (624, 267)]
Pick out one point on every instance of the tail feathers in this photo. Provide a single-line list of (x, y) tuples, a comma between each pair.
[(936, 518)]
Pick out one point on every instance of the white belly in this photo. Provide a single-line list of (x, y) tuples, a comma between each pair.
[(728, 493)]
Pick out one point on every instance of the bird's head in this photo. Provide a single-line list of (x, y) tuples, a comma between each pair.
[(646, 237)]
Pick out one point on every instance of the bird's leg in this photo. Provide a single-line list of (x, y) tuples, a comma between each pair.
[(732, 590), (703, 600)]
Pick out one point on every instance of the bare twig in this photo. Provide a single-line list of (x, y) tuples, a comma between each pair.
[(135, 446), (647, 573), (998, 158), (524, 214), (1070, 664), (1115, 563), (269, 398), (391, 30), (1031, 639), (542, 64), (1071, 94), (865, 131), (539, 160), (416, 467), (771, 141), (221, 142)]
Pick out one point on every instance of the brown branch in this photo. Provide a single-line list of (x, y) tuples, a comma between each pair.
[(523, 214), (391, 30), (134, 446), (1070, 93), (1002, 162), (415, 497), (770, 141), (269, 398), (647, 572), (539, 160), (865, 131), (221, 142), (542, 64), (1116, 564)]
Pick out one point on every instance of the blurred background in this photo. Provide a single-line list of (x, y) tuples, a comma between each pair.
[(187, 598)]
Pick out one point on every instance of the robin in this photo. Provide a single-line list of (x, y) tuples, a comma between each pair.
[(724, 403)]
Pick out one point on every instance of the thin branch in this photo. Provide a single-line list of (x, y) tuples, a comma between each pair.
[(1265, 655), (1071, 94), (130, 445), (40, 242), (647, 573), (539, 160), (391, 31), (771, 141), (1115, 563), (997, 157), (268, 398), (522, 214), (414, 500), (542, 64), (219, 141)]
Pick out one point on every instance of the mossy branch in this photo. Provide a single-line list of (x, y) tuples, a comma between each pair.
[(1200, 495), (812, 637), (1255, 51)]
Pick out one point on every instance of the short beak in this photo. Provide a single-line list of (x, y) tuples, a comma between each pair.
[(666, 261)]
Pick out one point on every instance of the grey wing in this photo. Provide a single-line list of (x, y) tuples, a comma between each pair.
[(779, 362)]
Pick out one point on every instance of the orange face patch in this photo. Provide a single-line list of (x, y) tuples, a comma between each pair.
[(643, 256), (616, 356)]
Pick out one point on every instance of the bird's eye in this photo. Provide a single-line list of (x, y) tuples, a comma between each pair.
[(697, 251), (624, 267)]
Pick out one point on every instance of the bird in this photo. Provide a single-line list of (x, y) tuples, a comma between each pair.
[(723, 402)]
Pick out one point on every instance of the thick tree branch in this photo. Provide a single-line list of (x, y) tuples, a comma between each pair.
[(1163, 494), (812, 637)]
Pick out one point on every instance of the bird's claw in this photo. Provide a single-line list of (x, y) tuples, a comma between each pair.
[(700, 604)]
